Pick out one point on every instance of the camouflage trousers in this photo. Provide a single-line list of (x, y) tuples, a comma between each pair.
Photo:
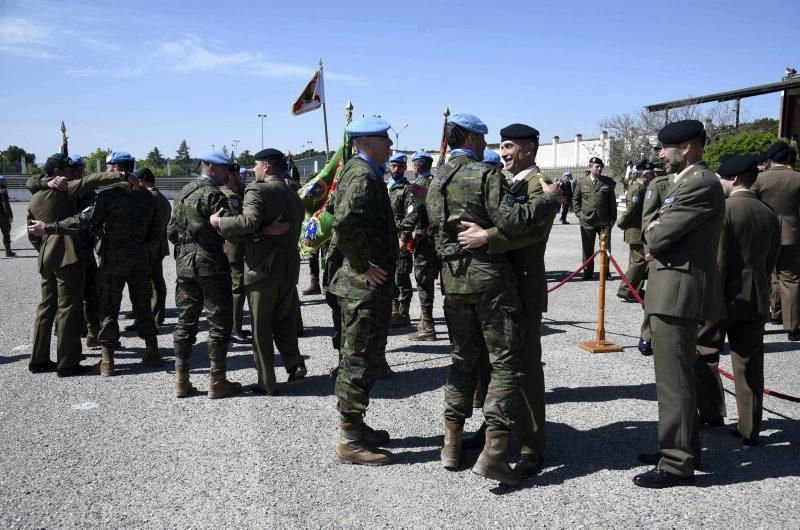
[(158, 301), (91, 289), (365, 327), (402, 277), (117, 268), (492, 318), (239, 292), (192, 296), (426, 269)]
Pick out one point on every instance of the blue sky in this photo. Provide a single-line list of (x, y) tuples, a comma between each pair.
[(133, 75)]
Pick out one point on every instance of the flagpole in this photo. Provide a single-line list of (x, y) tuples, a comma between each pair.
[(325, 118)]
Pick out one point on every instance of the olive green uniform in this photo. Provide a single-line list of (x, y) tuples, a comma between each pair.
[(653, 197), (235, 249), (748, 250), (271, 272), (595, 205), (159, 251), (631, 223)]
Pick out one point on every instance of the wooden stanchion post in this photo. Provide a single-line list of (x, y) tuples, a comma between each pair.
[(600, 344)]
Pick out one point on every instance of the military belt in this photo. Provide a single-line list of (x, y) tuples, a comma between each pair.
[(194, 247), (477, 256)]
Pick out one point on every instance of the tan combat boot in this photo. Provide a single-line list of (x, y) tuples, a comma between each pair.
[(451, 451), (393, 320), (220, 387), (373, 437), (106, 365), (91, 337), (479, 396), (425, 330), (493, 462), (403, 320), (313, 287), (354, 449), (152, 357), (183, 388)]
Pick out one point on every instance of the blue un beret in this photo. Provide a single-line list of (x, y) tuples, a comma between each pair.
[(215, 157), (119, 157), (419, 155), (242, 170), (77, 160), (368, 126), (398, 158), (2, 179), (491, 157), (469, 122)]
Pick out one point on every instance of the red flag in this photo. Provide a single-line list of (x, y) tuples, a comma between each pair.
[(312, 97)]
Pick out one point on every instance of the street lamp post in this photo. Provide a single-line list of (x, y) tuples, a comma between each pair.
[(397, 135), (235, 149), (262, 116)]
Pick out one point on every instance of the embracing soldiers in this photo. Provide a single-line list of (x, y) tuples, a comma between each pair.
[(519, 144), (234, 249), (684, 289), (365, 235), (204, 275), (402, 206), (269, 222), (595, 205), (481, 301)]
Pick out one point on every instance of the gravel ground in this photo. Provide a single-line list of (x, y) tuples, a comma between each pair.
[(124, 452)]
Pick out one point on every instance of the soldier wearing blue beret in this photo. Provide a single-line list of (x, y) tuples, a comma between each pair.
[(492, 158), (403, 207)]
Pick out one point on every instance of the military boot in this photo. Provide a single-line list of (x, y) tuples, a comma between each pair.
[(183, 388), (313, 287), (152, 356), (106, 365), (493, 460), (451, 451), (9, 253), (478, 397), (404, 319), (220, 387), (425, 330), (354, 449), (395, 314), (373, 437), (91, 337)]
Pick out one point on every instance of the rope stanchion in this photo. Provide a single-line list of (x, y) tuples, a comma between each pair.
[(600, 344), (569, 278), (625, 279)]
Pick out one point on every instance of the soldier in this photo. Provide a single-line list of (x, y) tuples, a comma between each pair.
[(235, 249), (204, 275), (519, 144), (160, 249), (493, 159), (124, 214), (365, 234), (568, 190), (631, 224), (60, 267), (653, 198), (779, 188), (402, 206), (424, 248), (683, 289), (748, 250), (595, 205), (271, 265), (481, 299), (6, 217)]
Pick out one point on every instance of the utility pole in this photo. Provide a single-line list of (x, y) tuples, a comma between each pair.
[(262, 116)]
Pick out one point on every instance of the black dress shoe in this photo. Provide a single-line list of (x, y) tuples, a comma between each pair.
[(40, 368), (475, 440), (72, 371), (246, 333), (239, 338), (297, 372), (588, 277), (628, 299), (713, 422), (749, 442), (776, 321), (132, 327), (255, 389), (645, 348), (659, 478), (651, 459), (794, 335), (528, 465)]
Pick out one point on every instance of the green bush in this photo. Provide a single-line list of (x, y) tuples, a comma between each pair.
[(743, 143)]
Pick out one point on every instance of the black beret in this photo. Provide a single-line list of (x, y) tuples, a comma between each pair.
[(145, 174), (264, 154), (734, 165), (519, 131), (776, 150), (596, 160), (57, 161), (644, 165), (681, 131)]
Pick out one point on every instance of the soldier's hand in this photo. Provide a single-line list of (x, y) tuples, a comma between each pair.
[(58, 183), (36, 228), (651, 224), (553, 189), (277, 227), (473, 237), (419, 193), (375, 275), (214, 219)]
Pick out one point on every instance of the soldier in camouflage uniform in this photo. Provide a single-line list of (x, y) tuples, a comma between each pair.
[(365, 233), (124, 215), (6, 217), (424, 248), (402, 205), (234, 249), (481, 299), (204, 275)]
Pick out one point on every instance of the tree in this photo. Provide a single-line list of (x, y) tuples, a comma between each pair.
[(246, 159), (98, 155), (155, 159), (743, 143), (12, 156), (183, 157), (225, 149)]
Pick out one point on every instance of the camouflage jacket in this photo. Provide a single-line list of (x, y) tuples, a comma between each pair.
[(402, 205), (364, 231), (234, 246), (466, 189), (416, 220), (198, 247)]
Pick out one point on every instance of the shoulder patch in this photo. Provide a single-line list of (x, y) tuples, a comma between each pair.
[(635, 199), (410, 208), (234, 202), (648, 194), (668, 201)]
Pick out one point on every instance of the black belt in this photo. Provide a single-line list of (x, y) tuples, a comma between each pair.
[(193, 247), (477, 256)]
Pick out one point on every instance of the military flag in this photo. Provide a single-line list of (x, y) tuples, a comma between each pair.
[(312, 97)]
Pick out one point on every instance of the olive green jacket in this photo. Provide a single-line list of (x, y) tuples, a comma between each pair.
[(631, 220), (653, 197), (594, 202), (779, 188), (164, 212)]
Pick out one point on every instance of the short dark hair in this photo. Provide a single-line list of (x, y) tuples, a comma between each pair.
[(278, 162), (126, 165), (455, 135), (784, 156), (424, 162), (748, 177)]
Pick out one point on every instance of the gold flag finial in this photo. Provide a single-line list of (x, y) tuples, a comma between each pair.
[(446, 112), (64, 137)]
